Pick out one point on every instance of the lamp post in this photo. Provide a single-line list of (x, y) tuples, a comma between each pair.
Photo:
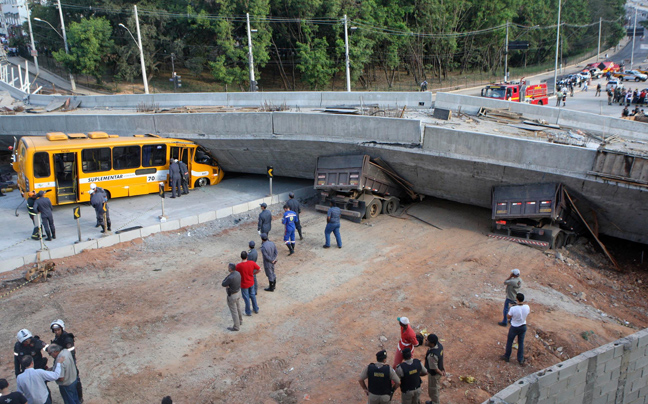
[(139, 46), (557, 45), (31, 37), (67, 50), (253, 83), (346, 53), (634, 35)]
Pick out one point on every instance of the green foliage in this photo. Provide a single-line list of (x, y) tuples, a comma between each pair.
[(315, 64)]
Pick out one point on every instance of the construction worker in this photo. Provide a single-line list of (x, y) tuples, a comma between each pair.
[(295, 207), (410, 372), (65, 340), (380, 377), (513, 284), (44, 207), (184, 180), (265, 220), (99, 201), (36, 232), (434, 366), (174, 178), (333, 226), (28, 345), (269, 253), (288, 220), (407, 339)]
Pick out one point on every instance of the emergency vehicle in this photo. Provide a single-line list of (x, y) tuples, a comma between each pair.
[(517, 92)]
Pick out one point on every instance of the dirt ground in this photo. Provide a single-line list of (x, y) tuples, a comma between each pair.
[(150, 316)]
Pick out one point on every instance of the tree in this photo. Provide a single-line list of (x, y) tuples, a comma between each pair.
[(314, 63), (90, 43)]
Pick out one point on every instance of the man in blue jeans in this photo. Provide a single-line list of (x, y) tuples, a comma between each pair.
[(513, 284), (333, 226), (518, 315), (248, 269), (68, 379)]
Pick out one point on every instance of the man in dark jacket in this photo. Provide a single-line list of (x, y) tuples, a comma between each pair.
[(44, 207), (253, 255), (184, 180), (65, 340), (36, 232), (265, 220), (99, 202), (174, 178), (233, 284), (270, 253), (28, 345)]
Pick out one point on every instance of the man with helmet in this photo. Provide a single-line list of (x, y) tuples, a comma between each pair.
[(65, 340), (28, 345), (99, 201)]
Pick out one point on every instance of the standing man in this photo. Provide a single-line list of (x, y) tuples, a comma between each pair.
[(67, 380), (10, 398), (174, 178), (65, 340), (265, 220), (558, 97), (32, 381), (598, 90), (269, 253), (44, 207), (410, 372), (434, 366), (99, 201), (233, 284), (28, 345), (184, 180), (407, 340), (37, 232), (518, 315), (380, 377), (513, 284), (610, 95), (295, 207), (333, 225), (288, 220), (253, 255), (248, 269)]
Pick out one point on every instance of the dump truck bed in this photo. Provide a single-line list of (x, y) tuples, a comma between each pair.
[(534, 201), (354, 173)]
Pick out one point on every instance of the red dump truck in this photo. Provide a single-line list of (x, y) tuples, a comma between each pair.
[(517, 92)]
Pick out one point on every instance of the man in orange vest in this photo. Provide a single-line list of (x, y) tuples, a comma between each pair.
[(407, 340)]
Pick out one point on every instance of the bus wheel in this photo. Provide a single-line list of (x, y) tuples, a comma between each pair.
[(202, 182), (107, 194)]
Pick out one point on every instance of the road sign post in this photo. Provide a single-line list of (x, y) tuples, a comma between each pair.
[(270, 172), (77, 215), (39, 223)]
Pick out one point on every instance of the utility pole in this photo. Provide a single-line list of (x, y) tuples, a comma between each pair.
[(141, 49), (599, 41), (634, 35), (250, 55), (346, 54), (506, 54), (557, 45), (67, 50), (34, 53)]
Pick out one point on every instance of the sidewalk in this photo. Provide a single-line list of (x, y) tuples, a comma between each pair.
[(50, 77)]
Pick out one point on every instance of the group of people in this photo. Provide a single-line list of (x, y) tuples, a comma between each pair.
[(178, 176), (626, 96), (33, 374)]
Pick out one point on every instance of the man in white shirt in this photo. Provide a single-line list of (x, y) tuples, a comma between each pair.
[(31, 382), (518, 315)]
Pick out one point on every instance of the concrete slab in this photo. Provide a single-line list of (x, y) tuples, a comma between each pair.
[(148, 230), (108, 241), (129, 235), (85, 245), (170, 225), (61, 252), (189, 221), (206, 217), (11, 263), (221, 213)]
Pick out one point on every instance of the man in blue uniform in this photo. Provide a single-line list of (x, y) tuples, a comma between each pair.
[(174, 178), (333, 226), (289, 220), (295, 207)]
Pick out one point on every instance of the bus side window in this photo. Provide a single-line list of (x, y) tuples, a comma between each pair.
[(153, 155), (126, 157), (94, 160), (41, 165)]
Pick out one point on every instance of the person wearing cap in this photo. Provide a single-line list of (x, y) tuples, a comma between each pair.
[(518, 315), (333, 226), (37, 232), (269, 253), (265, 220), (65, 340), (434, 366), (7, 397), (407, 339), (232, 283), (99, 201), (44, 206), (380, 377), (513, 284), (32, 381), (28, 345), (174, 178), (295, 206), (289, 219), (68, 378), (410, 372), (184, 179)]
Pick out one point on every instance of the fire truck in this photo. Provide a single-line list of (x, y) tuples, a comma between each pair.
[(517, 92)]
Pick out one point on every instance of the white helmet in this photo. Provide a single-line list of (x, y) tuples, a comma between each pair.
[(23, 335), (93, 186), (57, 323)]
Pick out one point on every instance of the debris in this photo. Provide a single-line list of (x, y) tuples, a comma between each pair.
[(56, 104), (467, 379), (440, 113)]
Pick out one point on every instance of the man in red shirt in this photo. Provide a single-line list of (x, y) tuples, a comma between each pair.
[(248, 269), (407, 340)]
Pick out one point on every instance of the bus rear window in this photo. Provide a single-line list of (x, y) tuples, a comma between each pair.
[(126, 157), (41, 165), (95, 160), (154, 155)]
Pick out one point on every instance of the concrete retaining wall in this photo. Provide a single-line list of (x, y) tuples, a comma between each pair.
[(598, 124), (304, 99), (615, 373)]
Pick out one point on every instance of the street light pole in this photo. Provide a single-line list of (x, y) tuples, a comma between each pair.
[(141, 49), (31, 37), (634, 35), (557, 45), (506, 54), (67, 50), (250, 55), (599, 41), (346, 54)]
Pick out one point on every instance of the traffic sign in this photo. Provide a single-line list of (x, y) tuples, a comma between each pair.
[(518, 45), (270, 171), (77, 212)]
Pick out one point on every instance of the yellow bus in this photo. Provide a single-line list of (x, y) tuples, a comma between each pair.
[(66, 164)]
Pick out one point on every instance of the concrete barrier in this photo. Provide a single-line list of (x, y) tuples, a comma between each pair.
[(615, 373), (13, 91)]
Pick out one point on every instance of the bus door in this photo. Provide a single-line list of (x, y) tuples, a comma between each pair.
[(183, 153), (66, 177)]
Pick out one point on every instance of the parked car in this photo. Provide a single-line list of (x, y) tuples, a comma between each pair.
[(631, 75), (613, 83)]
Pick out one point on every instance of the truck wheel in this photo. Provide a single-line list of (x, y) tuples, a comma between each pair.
[(374, 209), (559, 241), (390, 206)]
